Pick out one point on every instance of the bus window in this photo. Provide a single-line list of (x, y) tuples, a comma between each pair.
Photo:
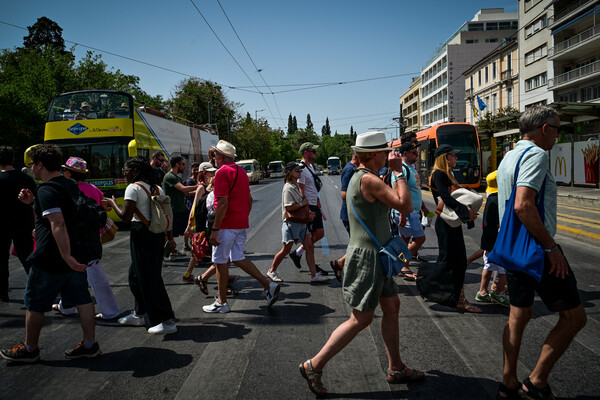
[(102, 104), (105, 160)]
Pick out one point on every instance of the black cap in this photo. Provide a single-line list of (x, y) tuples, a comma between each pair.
[(292, 165), (408, 146), (445, 149)]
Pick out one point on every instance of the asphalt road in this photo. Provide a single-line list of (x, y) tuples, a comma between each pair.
[(253, 352)]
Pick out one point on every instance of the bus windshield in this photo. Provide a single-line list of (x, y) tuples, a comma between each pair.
[(94, 104), (466, 142), (275, 166), (104, 160)]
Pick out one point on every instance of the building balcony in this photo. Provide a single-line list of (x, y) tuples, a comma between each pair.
[(411, 101), (577, 75), (567, 12), (469, 92), (506, 75), (578, 45)]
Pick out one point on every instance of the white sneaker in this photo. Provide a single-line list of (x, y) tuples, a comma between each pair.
[(272, 293), (217, 307), (164, 327), (319, 278), (274, 276), (132, 319)]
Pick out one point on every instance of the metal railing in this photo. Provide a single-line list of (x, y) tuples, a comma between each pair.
[(567, 10), (469, 92), (507, 74), (583, 36), (581, 72)]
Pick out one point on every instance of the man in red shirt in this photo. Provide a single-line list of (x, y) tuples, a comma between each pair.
[(228, 235)]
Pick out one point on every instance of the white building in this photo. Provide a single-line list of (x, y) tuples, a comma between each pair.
[(442, 83), (534, 42)]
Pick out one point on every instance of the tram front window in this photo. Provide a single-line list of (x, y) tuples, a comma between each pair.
[(466, 142)]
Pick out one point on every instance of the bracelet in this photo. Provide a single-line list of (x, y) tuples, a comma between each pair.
[(551, 249)]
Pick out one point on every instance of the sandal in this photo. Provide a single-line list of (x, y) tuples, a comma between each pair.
[(231, 291), (506, 393), (404, 376), (408, 275), (336, 269), (534, 393), (313, 378), (468, 307), (202, 285)]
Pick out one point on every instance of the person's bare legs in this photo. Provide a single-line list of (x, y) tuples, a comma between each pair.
[(191, 265), (390, 332), (500, 286), (416, 244), (341, 336), (88, 323), (210, 271), (222, 280), (486, 275), (569, 323), (248, 267), (33, 326), (285, 250), (342, 261), (309, 248), (511, 343)]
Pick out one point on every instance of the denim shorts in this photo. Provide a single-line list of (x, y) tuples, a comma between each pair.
[(413, 227), (43, 287), (293, 232)]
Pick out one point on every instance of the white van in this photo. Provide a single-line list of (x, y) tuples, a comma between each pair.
[(252, 168)]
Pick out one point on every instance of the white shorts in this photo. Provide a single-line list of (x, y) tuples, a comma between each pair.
[(488, 266), (231, 246)]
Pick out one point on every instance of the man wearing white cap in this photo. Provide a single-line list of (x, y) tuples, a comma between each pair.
[(228, 235)]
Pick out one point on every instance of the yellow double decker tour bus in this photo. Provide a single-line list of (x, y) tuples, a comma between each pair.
[(104, 128)]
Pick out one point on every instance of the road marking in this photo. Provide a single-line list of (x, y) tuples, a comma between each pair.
[(252, 232), (577, 220), (590, 210), (578, 232)]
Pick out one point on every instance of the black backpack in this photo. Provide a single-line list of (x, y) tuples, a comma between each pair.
[(387, 178), (84, 221)]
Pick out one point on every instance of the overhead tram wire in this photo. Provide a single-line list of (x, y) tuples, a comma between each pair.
[(244, 89), (255, 67), (226, 49)]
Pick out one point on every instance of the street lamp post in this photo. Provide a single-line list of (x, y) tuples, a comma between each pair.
[(256, 114)]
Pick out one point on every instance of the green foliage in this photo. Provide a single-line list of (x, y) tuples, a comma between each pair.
[(254, 140), (44, 33), (191, 102), (309, 124)]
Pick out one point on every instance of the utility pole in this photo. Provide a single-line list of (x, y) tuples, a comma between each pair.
[(209, 114), (400, 120)]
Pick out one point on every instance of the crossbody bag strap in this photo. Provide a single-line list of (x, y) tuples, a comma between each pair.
[(540, 195), (361, 221), (137, 211), (237, 171)]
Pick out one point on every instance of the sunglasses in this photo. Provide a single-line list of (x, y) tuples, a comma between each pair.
[(297, 169)]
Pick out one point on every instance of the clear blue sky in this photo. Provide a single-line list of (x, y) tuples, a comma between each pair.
[(293, 42)]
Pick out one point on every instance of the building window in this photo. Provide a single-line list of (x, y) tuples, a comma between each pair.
[(476, 26), (471, 82), (507, 25), (494, 103), (568, 97), (479, 79), (494, 72), (590, 93), (509, 97), (536, 54), (509, 62), (536, 26), (491, 40), (535, 82), (491, 26), (487, 78), (472, 41)]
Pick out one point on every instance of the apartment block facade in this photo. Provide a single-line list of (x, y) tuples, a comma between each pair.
[(411, 106), (442, 83)]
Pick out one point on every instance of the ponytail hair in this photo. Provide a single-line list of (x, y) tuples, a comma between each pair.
[(143, 171)]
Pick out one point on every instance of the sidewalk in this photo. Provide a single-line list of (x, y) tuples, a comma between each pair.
[(582, 196)]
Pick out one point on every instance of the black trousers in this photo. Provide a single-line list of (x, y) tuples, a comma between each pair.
[(442, 282), (19, 234), (145, 279)]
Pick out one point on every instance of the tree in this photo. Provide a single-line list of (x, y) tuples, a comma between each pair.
[(44, 32), (291, 129), (326, 129), (309, 124), (295, 124), (191, 102)]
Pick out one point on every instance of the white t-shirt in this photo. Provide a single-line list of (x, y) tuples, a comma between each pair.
[(310, 190), (142, 201)]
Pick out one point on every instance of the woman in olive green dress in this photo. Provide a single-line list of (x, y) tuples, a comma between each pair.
[(365, 284)]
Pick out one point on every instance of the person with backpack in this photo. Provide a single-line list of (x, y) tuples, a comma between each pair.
[(54, 268), (152, 304), (76, 168)]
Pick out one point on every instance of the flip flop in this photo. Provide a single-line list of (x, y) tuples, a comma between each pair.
[(408, 275), (403, 376), (336, 269)]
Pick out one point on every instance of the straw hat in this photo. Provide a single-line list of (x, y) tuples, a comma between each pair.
[(226, 148), (371, 141)]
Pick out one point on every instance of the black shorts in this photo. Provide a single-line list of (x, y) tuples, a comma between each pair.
[(180, 221), (558, 294), (317, 223)]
